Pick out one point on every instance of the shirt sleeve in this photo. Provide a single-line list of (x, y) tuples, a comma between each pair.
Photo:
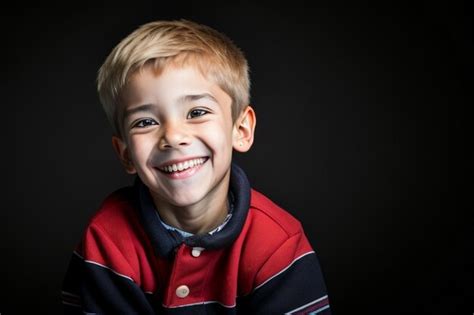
[(99, 280), (289, 282)]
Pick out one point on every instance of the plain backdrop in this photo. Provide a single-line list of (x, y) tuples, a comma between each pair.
[(364, 118)]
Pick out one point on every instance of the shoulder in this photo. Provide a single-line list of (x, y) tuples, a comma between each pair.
[(269, 228), (116, 211), (114, 229), (270, 216), (272, 240), (113, 236)]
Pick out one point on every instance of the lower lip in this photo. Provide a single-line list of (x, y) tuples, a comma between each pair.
[(186, 173)]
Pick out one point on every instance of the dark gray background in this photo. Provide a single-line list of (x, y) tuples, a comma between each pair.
[(363, 121)]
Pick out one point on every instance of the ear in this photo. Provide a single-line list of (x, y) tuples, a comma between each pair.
[(244, 129), (121, 149)]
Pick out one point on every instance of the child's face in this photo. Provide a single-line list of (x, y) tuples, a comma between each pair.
[(179, 134)]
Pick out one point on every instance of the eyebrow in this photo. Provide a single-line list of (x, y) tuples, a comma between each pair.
[(195, 97), (136, 109), (182, 99)]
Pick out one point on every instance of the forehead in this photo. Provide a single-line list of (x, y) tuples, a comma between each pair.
[(151, 90), (167, 83)]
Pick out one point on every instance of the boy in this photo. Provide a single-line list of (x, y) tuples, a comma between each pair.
[(190, 235)]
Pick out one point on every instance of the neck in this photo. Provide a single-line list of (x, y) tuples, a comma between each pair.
[(200, 217)]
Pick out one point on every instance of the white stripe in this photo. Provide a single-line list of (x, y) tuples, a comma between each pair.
[(320, 310), (306, 305), (201, 303), (71, 304), (103, 266), (283, 270)]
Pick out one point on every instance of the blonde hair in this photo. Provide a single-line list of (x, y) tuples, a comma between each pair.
[(181, 42)]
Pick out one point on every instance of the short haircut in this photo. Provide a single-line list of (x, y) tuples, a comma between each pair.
[(183, 42)]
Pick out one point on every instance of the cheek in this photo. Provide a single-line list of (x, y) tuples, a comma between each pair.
[(218, 137), (141, 148)]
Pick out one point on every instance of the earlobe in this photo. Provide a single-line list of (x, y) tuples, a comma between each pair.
[(122, 152), (244, 129)]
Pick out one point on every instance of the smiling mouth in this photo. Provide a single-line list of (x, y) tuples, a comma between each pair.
[(183, 166)]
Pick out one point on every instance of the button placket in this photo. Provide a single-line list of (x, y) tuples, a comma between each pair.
[(186, 280)]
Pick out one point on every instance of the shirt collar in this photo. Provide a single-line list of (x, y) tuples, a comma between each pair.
[(165, 241), (187, 234)]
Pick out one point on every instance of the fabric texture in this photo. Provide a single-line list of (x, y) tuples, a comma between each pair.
[(127, 262)]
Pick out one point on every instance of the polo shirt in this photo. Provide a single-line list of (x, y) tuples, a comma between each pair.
[(127, 262)]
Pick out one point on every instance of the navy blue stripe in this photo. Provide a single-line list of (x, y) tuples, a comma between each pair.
[(73, 277), (103, 291), (299, 285), (106, 292), (211, 308)]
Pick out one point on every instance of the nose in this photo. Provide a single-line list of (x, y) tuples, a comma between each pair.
[(173, 135)]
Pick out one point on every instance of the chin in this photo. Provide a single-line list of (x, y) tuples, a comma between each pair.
[(184, 200)]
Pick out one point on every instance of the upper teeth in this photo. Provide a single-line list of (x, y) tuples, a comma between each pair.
[(182, 165)]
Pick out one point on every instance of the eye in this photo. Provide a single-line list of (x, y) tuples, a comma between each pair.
[(197, 113), (145, 123)]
